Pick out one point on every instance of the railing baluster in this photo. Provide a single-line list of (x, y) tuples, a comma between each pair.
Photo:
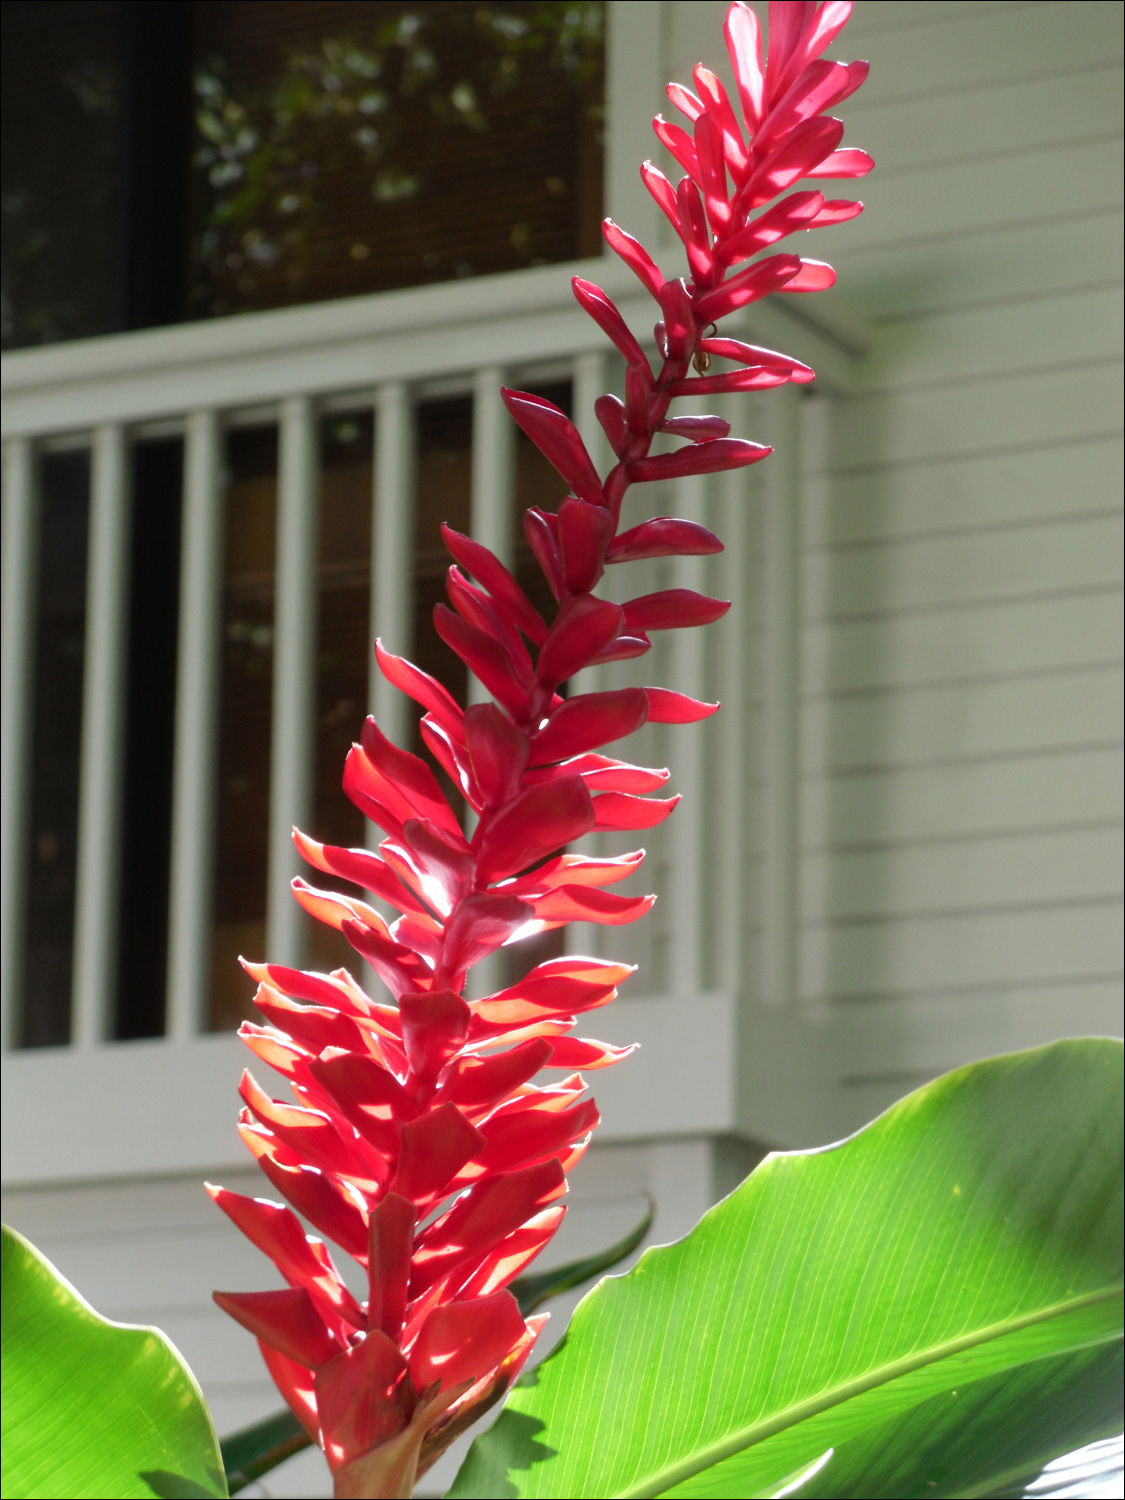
[(493, 465), (103, 714), (19, 584), (294, 673), (494, 454), (491, 523), (686, 865), (727, 825), (197, 719), (782, 701), (589, 379), (392, 552)]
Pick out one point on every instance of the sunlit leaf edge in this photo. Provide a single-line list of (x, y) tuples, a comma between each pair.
[(23, 1477)]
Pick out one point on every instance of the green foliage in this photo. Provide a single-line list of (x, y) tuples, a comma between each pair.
[(94, 1408), (937, 1300), (533, 1290), (256, 1449)]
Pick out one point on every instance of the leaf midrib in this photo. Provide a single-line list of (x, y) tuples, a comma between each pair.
[(745, 1437)]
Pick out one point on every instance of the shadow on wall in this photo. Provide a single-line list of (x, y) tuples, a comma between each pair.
[(871, 729)]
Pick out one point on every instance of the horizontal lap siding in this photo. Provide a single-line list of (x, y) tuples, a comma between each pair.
[(961, 676)]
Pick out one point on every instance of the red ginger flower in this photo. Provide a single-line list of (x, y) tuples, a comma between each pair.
[(420, 1145)]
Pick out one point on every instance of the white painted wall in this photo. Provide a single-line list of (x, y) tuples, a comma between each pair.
[(960, 810)]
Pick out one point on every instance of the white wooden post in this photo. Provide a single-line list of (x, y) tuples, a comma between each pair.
[(103, 715), (197, 717), (294, 673), (18, 647), (589, 380), (686, 830), (392, 551), (782, 701), (731, 639), (491, 523), (494, 452)]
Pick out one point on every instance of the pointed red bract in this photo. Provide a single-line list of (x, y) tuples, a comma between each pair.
[(361, 868), (362, 1399), (287, 1321), (635, 256), (498, 751), (588, 722), (701, 458), (556, 436), (496, 578), (390, 1243), (435, 1024), (539, 821), (664, 537), (432, 1150), (604, 312), (585, 625), (484, 656), (672, 608), (461, 1338), (541, 530), (296, 1385), (667, 707), (585, 531), (482, 923)]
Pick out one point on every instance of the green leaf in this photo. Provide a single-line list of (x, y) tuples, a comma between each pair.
[(254, 1450), (94, 1408), (968, 1241), (532, 1291)]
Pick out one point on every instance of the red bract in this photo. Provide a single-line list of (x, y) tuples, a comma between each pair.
[(418, 1140)]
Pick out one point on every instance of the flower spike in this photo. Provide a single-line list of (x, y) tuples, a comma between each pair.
[(420, 1138)]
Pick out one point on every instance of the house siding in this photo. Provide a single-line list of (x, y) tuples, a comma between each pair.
[(961, 558)]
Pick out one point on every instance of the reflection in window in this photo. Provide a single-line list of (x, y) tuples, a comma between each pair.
[(62, 84), (351, 147), (183, 160)]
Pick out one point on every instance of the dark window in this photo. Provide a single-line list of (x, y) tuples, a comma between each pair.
[(150, 723), (63, 482), (62, 76), (242, 816), (167, 160), (343, 649)]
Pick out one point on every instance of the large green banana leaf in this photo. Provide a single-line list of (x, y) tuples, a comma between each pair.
[(93, 1408), (936, 1300)]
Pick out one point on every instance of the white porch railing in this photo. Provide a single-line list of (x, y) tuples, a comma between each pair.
[(387, 352)]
